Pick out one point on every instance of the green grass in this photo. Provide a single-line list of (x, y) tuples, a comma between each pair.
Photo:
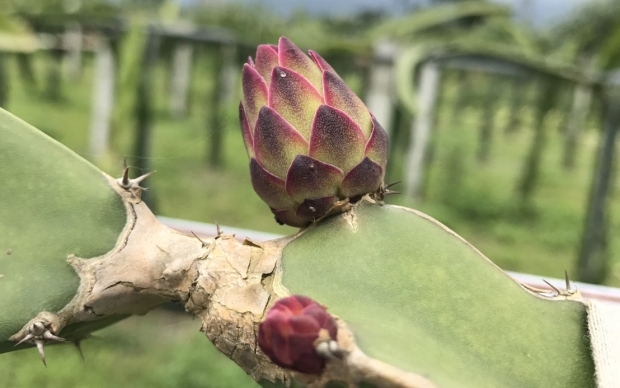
[(483, 208)]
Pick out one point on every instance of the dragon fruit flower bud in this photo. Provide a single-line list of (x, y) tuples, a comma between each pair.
[(289, 333), (310, 139)]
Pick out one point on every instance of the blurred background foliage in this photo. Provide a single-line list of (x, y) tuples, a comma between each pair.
[(477, 196)]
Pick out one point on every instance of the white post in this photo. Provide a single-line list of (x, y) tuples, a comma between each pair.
[(582, 98), (380, 95), (180, 79), (422, 127), (72, 42), (103, 100)]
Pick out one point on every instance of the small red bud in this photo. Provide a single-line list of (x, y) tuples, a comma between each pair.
[(290, 330)]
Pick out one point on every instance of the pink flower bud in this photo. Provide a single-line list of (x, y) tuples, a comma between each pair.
[(290, 330), (311, 141)]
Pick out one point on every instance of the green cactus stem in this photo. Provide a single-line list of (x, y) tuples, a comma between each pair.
[(419, 297), (54, 204)]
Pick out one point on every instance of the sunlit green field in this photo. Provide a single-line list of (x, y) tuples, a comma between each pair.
[(165, 350)]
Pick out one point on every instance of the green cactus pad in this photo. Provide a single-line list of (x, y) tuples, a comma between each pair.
[(54, 203), (420, 298)]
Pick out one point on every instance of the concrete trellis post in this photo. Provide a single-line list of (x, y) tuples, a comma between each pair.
[(582, 99), (180, 78), (380, 95), (531, 168), (72, 42), (223, 97), (593, 257), (144, 110), (430, 74), (4, 81), (485, 135), (103, 100), (53, 89)]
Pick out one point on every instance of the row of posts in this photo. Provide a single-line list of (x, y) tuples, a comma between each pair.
[(381, 101), (593, 256)]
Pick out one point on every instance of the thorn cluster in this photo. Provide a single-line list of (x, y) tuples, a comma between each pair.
[(39, 333), (384, 191), (569, 291), (132, 185)]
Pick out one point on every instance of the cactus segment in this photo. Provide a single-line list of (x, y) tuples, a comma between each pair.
[(54, 203), (420, 298)]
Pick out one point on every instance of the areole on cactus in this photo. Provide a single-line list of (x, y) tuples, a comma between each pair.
[(310, 139)]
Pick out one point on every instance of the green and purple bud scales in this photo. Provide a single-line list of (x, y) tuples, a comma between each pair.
[(311, 140)]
